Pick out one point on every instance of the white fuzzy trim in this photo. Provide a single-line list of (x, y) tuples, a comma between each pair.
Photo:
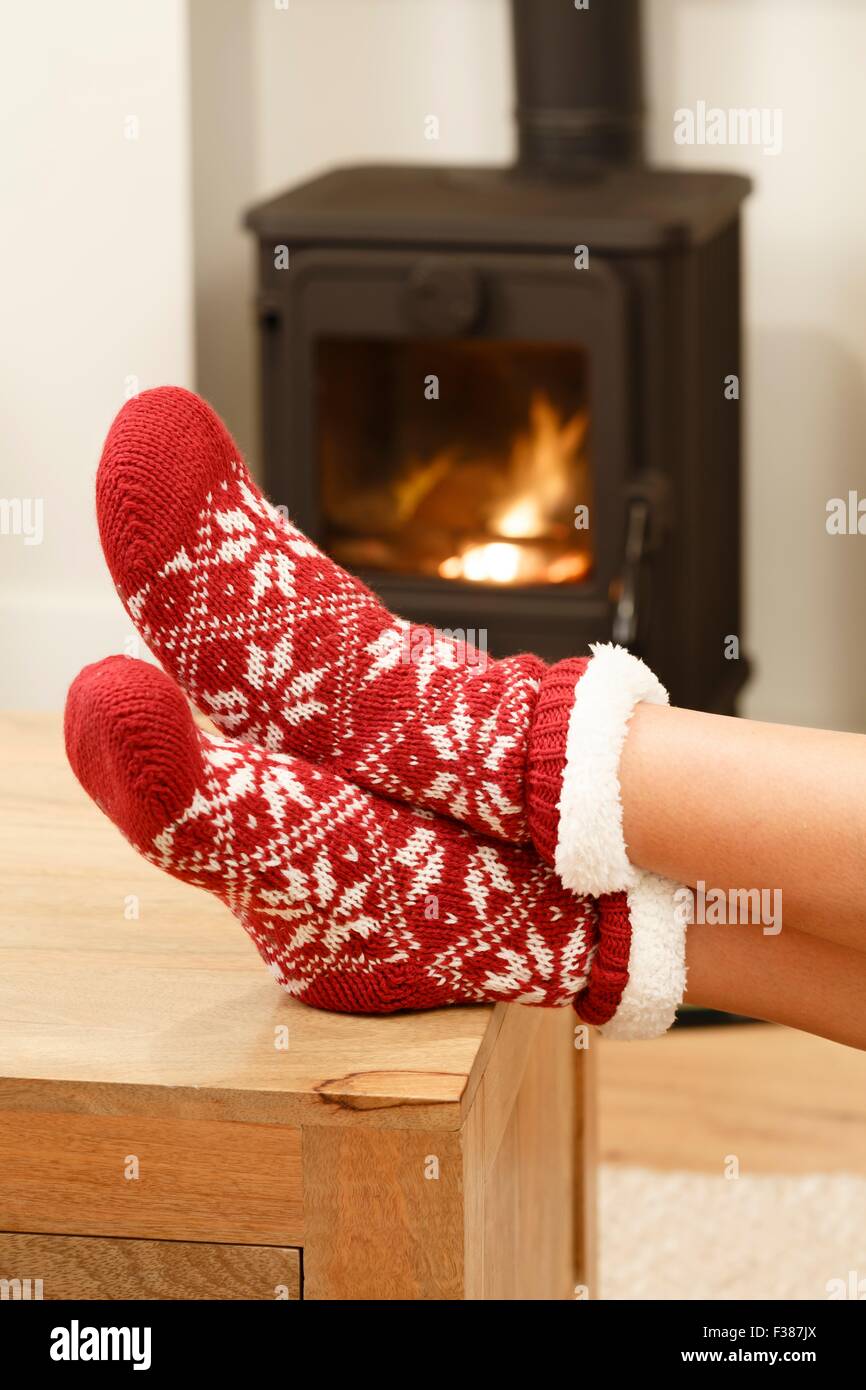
[(657, 960), (591, 853)]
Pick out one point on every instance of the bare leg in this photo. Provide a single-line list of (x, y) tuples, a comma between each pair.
[(793, 978), (743, 805)]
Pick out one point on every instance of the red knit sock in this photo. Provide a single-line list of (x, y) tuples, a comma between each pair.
[(281, 646), (354, 903)]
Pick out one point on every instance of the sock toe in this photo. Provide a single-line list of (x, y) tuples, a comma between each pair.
[(166, 450), (133, 745)]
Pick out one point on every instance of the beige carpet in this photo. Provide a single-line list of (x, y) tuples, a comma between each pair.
[(675, 1235)]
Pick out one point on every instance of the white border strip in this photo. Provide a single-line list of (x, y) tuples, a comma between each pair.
[(657, 961), (591, 854)]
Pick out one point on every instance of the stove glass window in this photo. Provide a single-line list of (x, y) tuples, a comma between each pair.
[(467, 461)]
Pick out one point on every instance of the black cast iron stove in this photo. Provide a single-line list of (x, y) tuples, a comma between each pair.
[(502, 395)]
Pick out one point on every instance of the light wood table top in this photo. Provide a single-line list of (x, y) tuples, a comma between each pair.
[(172, 1011)]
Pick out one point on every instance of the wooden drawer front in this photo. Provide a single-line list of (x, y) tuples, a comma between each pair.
[(54, 1267), (196, 1179)]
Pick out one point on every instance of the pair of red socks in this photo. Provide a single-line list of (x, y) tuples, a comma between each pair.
[(396, 824)]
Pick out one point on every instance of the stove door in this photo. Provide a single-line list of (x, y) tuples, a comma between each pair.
[(454, 428)]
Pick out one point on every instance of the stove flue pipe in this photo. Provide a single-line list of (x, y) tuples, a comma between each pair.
[(579, 80)]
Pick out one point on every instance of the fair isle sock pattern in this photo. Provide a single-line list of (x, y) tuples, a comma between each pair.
[(282, 647), (354, 903)]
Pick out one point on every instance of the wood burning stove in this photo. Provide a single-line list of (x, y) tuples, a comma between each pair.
[(499, 395)]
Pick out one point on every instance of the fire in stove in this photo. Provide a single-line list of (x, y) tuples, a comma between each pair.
[(536, 524), (491, 487)]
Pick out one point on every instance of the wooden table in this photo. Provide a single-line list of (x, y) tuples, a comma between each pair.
[(173, 1126)]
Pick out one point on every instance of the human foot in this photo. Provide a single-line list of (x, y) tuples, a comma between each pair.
[(281, 646), (355, 904)]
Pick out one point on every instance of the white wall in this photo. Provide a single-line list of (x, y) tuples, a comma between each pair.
[(343, 81), (223, 71), (281, 93), (805, 387), (95, 289)]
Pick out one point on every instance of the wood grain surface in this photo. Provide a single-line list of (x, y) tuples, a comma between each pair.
[(72, 1267), (133, 1176), (384, 1216), (123, 991), (528, 1165)]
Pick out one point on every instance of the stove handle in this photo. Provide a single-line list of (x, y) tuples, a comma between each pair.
[(645, 523), (625, 616)]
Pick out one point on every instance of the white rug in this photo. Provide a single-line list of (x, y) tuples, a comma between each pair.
[(691, 1235)]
